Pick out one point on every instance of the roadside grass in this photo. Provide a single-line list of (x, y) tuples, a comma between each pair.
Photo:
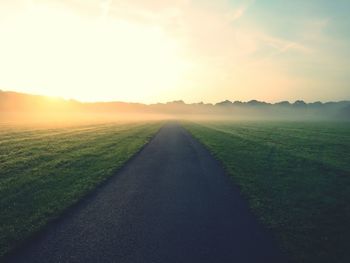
[(44, 171), (296, 177)]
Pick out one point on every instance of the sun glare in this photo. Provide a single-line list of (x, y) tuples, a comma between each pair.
[(58, 52)]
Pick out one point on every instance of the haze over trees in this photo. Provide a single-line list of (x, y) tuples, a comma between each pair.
[(19, 106)]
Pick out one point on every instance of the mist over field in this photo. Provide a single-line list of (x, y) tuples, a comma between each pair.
[(174, 131), (24, 107)]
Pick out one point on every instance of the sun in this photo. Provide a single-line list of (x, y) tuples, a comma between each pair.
[(59, 52)]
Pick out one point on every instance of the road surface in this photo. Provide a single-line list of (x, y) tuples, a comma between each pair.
[(173, 202)]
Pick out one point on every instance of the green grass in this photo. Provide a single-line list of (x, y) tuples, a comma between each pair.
[(296, 177), (44, 171)]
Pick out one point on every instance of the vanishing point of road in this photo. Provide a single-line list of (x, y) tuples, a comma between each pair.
[(172, 202)]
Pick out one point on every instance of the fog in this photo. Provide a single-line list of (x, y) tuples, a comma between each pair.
[(24, 108)]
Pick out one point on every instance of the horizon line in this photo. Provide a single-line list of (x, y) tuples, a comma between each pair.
[(175, 100)]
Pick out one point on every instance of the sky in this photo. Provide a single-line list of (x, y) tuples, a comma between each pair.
[(193, 50)]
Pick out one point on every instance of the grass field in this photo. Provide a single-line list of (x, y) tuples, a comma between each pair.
[(45, 170), (296, 177)]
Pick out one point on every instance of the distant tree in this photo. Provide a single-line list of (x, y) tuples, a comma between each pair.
[(283, 103), (299, 103), (224, 103)]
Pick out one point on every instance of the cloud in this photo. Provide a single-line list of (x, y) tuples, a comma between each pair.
[(283, 45), (237, 13)]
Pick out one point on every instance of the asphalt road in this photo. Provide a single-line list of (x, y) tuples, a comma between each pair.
[(173, 202)]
